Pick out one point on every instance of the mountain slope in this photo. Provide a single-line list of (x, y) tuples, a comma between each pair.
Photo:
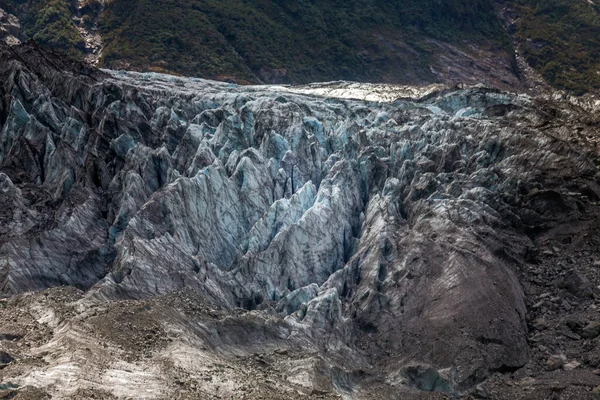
[(295, 42), (274, 41), (49, 23), (560, 39)]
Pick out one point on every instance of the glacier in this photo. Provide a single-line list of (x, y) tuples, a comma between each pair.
[(381, 229)]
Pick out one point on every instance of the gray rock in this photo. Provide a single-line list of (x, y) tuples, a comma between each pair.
[(540, 324), (481, 392), (425, 377), (591, 330), (10, 28), (571, 365), (555, 362), (577, 284)]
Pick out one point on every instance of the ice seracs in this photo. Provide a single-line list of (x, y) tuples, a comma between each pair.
[(382, 225)]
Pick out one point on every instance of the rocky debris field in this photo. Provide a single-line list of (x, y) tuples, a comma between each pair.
[(64, 347), (165, 237)]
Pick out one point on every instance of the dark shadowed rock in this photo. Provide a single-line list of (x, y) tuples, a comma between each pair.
[(5, 359), (591, 330), (577, 284), (425, 377)]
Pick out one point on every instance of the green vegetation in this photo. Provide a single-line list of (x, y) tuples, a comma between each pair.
[(561, 40), (298, 41), (167, 35), (316, 40), (49, 23)]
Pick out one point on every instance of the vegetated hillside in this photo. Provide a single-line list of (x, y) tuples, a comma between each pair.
[(292, 41), (275, 41), (48, 22), (561, 39)]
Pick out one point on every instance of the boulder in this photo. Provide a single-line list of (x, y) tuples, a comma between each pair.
[(577, 284), (555, 362), (591, 330)]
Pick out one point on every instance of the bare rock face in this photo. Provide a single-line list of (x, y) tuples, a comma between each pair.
[(10, 28), (387, 238)]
